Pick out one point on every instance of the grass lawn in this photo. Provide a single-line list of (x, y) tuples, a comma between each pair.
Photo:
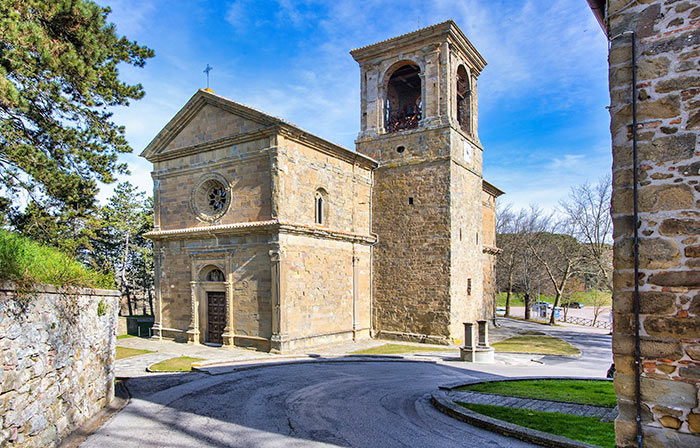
[(585, 297), (544, 345), (585, 429), (179, 364), (392, 349), (27, 262), (597, 393), (125, 352), (126, 336)]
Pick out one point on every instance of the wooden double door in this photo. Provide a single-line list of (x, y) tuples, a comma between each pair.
[(216, 316)]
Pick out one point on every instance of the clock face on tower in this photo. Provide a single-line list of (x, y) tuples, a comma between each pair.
[(467, 149)]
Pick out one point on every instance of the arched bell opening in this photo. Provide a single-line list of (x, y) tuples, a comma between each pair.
[(464, 99), (404, 102)]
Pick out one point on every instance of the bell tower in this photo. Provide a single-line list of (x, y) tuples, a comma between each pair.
[(419, 121)]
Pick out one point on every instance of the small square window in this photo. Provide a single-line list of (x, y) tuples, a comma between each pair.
[(410, 201)]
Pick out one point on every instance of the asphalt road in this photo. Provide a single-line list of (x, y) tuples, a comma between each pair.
[(350, 404)]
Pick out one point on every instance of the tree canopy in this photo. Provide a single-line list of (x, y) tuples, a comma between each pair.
[(59, 76)]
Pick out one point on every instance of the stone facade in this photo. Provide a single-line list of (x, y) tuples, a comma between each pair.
[(667, 37), (427, 201), (266, 236), (288, 280), (57, 351)]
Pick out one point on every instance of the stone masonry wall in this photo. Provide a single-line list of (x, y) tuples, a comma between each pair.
[(57, 353), (319, 290), (490, 253), (412, 257), (467, 237), (668, 94), (303, 170), (248, 174)]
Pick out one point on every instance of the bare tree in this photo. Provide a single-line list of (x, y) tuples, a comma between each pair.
[(598, 300), (510, 228), (560, 255), (588, 210)]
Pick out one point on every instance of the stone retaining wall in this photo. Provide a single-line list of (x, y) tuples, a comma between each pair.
[(57, 351)]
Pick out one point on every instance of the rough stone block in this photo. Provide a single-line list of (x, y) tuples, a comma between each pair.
[(669, 393), (676, 278), (671, 148), (694, 422), (672, 327), (665, 107), (678, 227), (665, 197)]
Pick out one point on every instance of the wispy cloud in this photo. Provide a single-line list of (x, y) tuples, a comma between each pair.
[(541, 97)]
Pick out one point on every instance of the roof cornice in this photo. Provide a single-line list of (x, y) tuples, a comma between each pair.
[(272, 125), (326, 147), (448, 28), (491, 189), (272, 225)]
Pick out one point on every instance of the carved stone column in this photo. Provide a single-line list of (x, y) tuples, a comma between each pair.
[(228, 335), (355, 292), (278, 340), (193, 331)]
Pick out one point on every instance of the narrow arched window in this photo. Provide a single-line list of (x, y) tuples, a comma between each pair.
[(320, 206), (464, 99)]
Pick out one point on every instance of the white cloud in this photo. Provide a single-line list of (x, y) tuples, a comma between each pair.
[(538, 56)]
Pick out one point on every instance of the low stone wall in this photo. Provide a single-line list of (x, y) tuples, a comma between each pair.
[(57, 351)]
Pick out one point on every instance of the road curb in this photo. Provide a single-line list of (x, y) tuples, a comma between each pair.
[(443, 404), (349, 359), (456, 385)]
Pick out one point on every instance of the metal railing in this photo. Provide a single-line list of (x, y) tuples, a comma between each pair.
[(599, 323)]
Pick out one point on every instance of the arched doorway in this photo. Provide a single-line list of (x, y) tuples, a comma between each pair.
[(213, 282)]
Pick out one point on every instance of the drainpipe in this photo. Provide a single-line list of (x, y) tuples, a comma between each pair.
[(635, 195), (635, 249)]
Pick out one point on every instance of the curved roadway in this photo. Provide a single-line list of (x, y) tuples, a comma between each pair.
[(345, 404)]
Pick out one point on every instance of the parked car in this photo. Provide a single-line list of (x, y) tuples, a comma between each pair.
[(547, 304), (500, 310), (577, 305)]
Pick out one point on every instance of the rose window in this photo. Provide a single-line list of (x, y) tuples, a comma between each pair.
[(211, 198), (217, 198)]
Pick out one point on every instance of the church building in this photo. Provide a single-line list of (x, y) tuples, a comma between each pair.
[(267, 236)]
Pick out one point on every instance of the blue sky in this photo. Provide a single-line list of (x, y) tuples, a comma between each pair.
[(542, 96)]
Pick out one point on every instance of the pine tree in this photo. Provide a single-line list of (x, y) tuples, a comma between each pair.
[(58, 80)]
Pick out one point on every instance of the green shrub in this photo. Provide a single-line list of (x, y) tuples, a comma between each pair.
[(26, 262)]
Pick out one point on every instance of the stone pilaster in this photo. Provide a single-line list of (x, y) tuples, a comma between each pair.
[(193, 331), (279, 338), (229, 331), (355, 292)]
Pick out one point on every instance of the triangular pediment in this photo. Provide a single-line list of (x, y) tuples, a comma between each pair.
[(206, 118)]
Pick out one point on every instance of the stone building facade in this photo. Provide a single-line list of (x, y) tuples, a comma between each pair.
[(666, 36), (270, 237)]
